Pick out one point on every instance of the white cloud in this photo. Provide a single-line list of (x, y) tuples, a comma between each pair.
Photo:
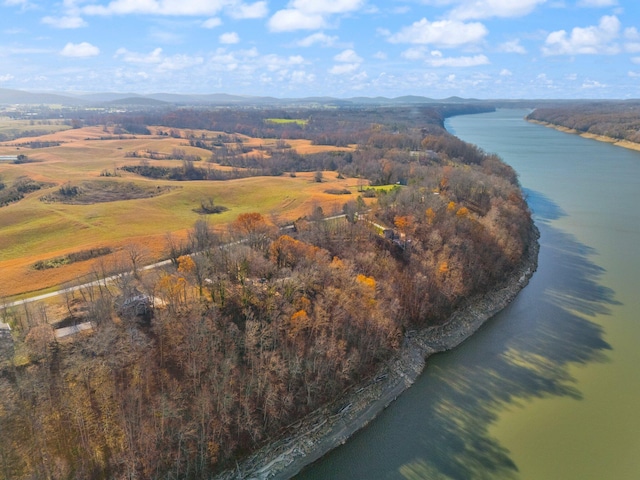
[(349, 62), (445, 33), (512, 46), (593, 84), (161, 62), (597, 3), (229, 38), (289, 19), (179, 62), (437, 60), (348, 56), (245, 11), (631, 33), (67, 22), (212, 23), (318, 38), (477, 9), (328, 6), (275, 62), (636, 60), (592, 40), (16, 3), (8, 77), (415, 53), (633, 74), (344, 68), (506, 73), (633, 40), (380, 55), (83, 49), (139, 58), (543, 79), (310, 14), (157, 7), (302, 77)]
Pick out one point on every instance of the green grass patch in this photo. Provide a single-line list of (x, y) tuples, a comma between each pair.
[(282, 121)]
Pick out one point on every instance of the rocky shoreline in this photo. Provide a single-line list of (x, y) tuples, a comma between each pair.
[(330, 426)]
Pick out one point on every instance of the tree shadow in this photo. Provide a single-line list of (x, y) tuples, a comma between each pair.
[(439, 428)]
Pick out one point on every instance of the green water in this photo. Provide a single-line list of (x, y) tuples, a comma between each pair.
[(549, 388)]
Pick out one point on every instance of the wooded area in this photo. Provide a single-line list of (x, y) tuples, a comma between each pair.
[(616, 120), (257, 325)]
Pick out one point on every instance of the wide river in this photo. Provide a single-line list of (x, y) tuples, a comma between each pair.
[(549, 389)]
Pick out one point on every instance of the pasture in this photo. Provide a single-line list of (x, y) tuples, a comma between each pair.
[(32, 230)]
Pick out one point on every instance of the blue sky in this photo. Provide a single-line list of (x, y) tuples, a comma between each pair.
[(340, 48)]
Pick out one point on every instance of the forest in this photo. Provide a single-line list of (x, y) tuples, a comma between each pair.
[(616, 120), (255, 325)]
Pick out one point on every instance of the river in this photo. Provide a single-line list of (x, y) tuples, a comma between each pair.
[(550, 387)]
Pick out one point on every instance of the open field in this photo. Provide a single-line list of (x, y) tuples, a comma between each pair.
[(12, 128), (297, 121), (32, 230)]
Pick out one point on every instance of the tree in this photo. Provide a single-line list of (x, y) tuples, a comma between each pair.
[(136, 255)]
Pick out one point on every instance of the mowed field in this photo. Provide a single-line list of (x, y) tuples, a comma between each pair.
[(33, 230)]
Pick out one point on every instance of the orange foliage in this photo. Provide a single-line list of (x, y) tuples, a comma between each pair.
[(368, 281), (462, 212), (186, 264), (287, 251), (451, 206), (247, 223), (299, 321), (403, 223), (443, 268)]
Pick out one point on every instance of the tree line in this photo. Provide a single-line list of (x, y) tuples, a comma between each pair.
[(617, 120)]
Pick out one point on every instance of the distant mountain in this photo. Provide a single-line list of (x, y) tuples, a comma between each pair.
[(138, 101), (11, 97), (106, 99)]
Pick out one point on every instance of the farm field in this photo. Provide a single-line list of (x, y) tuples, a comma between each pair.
[(33, 230), (10, 127)]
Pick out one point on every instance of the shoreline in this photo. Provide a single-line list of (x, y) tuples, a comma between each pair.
[(600, 138), (321, 431)]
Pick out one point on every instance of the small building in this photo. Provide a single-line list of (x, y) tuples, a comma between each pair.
[(135, 304)]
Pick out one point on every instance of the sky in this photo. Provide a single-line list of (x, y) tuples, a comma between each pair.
[(339, 48)]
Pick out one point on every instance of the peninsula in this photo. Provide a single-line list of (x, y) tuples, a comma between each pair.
[(306, 262)]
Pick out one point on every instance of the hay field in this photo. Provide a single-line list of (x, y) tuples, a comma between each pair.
[(31, 230)]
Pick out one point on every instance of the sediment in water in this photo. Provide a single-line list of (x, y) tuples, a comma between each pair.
[(331, 425)]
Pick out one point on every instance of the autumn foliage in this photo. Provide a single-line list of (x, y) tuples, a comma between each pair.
[(256, 330)]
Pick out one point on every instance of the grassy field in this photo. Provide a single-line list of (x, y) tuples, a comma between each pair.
[(15, 128), (32, 230), (297, 121)]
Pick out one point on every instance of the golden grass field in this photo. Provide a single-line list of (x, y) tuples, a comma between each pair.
[(32, 230)]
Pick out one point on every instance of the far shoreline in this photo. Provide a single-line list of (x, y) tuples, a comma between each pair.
[(600, 138), (321, 431)]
